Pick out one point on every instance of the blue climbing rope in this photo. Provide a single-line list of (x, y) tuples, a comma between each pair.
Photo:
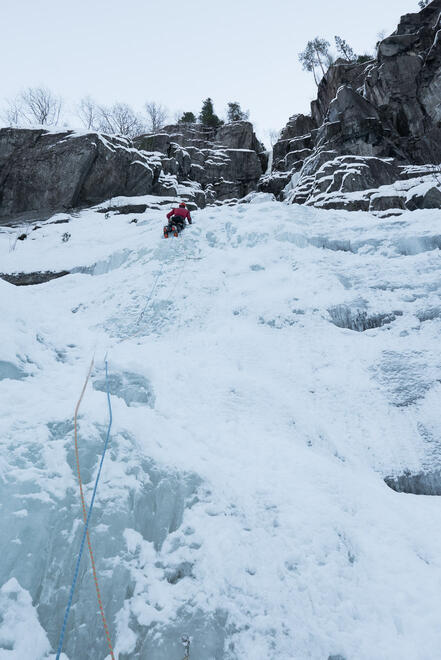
[(86, 526)]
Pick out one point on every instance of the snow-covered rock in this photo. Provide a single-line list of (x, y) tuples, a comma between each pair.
[(227, 161), (45, 171), (385, 108)]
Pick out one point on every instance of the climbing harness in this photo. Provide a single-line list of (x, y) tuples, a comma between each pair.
[(87, 520)]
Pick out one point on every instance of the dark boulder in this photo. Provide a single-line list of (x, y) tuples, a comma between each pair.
[(430, 198), (124, 209), (385, 202)]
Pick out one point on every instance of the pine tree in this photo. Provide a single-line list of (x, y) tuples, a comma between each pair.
[(362, 59), (207, 115), (316, 54), (187, 118), (344, 49), (308, 60), (423, 3), (321, 49), (235, 112)]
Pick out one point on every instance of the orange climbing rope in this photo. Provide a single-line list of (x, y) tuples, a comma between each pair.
[(83, 504)]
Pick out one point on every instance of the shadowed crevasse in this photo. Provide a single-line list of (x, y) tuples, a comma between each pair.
[(28, 279), (422, 483), (359, 320)]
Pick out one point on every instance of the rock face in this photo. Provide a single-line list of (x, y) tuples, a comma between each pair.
[(42, 172), (369, 123), (295, 141), (345, 174), (357, 183), (386, 113), (227, 162)]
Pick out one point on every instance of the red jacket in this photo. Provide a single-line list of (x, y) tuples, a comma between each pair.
[(181, 212)]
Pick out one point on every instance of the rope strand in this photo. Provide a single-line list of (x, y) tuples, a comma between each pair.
[(87, 516), (87, 520)]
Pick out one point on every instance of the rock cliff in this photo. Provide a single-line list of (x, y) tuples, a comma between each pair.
[(45, 171), (369, 126), (369, 122), (227, 162)]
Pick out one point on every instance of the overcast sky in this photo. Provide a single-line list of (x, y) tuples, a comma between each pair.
[(178, 52)]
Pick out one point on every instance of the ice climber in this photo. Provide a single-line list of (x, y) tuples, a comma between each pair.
[(176, 220)]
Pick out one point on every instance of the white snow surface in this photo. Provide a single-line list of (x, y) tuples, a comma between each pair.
[(242, 500), (21, 635)]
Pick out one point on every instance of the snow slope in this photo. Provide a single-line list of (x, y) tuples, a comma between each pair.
[(268, 369)]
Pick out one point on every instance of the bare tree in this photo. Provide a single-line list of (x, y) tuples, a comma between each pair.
[(11, 114), (116, 119), (120, 119), (156, 116), (34, 105), (38, 105), (88, 112)]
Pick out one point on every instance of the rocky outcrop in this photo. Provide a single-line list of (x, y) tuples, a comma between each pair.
[(227, 162), (345, 174), (385, 112), (340, 73), (356, 183), (42, 172), (295, 142)]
